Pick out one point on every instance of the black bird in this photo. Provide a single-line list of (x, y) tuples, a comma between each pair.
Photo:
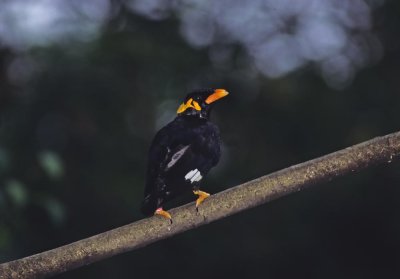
[(183, 152)]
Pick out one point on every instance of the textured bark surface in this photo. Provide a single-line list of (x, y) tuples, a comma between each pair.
[(239, 198)]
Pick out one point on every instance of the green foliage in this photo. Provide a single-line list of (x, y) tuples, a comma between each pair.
[(51, 164), (16, 192)]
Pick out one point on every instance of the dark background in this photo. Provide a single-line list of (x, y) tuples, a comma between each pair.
[(84, 86)]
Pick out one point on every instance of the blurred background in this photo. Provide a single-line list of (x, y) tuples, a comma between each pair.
[(84, 86)]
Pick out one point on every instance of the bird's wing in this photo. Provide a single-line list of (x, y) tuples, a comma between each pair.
[(175, 156), (166, 150)]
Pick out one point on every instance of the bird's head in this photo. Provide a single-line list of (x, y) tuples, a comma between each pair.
[(199, 103)]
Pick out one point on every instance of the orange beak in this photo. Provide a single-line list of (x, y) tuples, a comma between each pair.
[(218, 94)]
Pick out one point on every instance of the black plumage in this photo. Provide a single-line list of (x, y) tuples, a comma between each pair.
[(183, 151)]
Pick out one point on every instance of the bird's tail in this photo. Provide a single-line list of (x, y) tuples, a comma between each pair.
[(149, 205)]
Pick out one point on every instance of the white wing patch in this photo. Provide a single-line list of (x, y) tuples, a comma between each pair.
[(193, 175), (175, 158)]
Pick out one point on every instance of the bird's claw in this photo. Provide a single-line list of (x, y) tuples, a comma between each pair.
[(202, 196), (163, 213)]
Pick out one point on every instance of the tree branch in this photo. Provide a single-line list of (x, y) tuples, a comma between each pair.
[(236, 199)]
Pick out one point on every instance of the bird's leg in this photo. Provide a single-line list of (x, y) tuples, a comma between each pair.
[(160, 211), (202, 196)]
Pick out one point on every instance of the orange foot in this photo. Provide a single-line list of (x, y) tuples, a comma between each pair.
[(160, 211), (202, 196)]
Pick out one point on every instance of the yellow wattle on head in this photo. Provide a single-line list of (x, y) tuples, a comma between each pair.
[(189, 104)]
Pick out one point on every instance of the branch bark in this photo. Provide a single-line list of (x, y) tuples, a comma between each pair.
[(218, 206)]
